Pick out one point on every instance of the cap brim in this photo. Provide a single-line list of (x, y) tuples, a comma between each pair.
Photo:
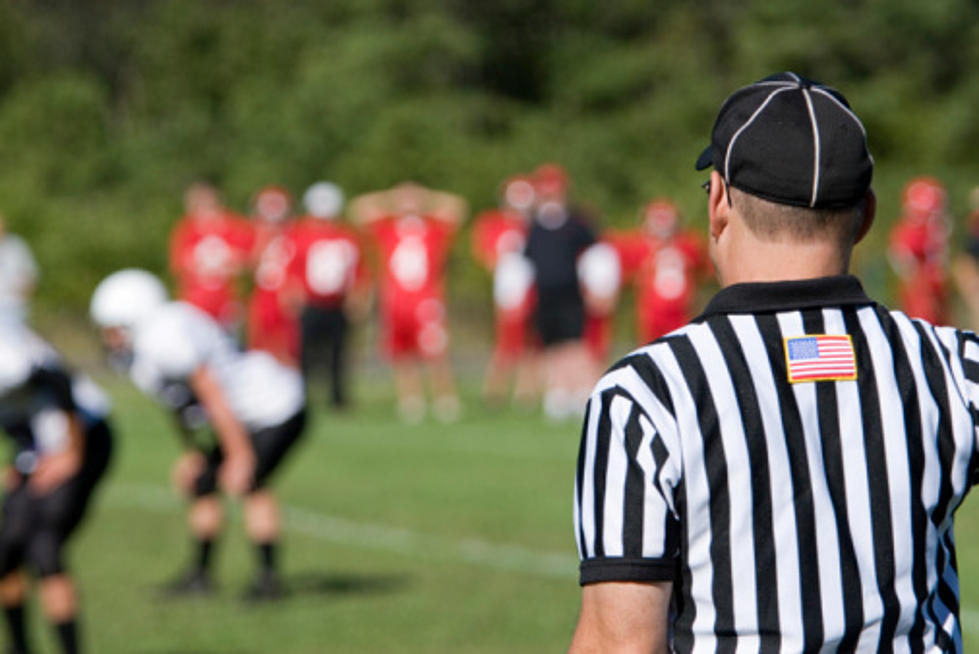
[(706, 158)]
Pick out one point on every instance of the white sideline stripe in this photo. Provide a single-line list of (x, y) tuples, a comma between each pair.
[(402, 541), (342, 531)]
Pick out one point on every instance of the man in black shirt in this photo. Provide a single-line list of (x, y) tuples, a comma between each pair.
[(558, 235)]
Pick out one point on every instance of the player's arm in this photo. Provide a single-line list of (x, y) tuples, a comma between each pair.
[(623, 617), (626, 596), (239, 456), (447, 207), (369, 207), (55, 468), (357, 303)]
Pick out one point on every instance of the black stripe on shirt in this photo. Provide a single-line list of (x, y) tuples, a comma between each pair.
[(766, 583), (715, 461), (830, 438)]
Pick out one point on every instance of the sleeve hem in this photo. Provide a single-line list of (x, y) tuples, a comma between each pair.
[(626, 569)]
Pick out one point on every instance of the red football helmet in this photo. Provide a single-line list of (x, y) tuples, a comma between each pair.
[(924, 197), (272, 203), (518, 193), (661, 218), (550, 180)]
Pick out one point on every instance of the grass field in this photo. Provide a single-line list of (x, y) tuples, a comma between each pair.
[(426, 538)]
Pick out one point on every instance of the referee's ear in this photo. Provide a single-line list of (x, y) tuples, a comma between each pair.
[(869, 211), (718, 205)]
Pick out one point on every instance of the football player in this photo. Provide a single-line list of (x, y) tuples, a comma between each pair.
[(666, 263), (62, 445), (918, 250), (330, 275), (272, 324), (498, 239), (209, 248), (253, 404), (412, 228)]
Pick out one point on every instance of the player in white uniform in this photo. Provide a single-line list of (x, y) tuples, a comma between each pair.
[(62, 445), (253, 404)]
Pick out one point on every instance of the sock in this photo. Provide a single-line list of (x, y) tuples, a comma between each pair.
[(68, 636), (15, 627), (204, 550), (267, 556)]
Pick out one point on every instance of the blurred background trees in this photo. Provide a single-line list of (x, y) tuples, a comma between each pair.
[(109, 109)]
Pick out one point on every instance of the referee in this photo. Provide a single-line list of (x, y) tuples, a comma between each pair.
[(781, 474)]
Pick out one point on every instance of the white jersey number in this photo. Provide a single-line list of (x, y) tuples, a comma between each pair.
[(409, 263), (330, 266)]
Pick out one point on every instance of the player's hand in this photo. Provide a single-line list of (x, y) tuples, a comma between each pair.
[(187, 469), (55, 469), (237, 471)]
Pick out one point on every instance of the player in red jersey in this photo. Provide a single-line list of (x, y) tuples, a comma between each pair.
[(498, 239), (966, 266), (666, 263), (918, 250), (600, 276), (330, 273), (272, 324), (209, 247), (412, 229)]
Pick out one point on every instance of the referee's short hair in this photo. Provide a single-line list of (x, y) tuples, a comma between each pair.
[(772, 221)]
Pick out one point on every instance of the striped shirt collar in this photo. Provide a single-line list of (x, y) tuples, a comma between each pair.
[(770, 297)]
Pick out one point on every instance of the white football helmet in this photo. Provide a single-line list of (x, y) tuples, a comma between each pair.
[(323, 200), (125, 297)]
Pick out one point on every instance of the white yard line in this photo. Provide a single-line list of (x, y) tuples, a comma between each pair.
[(343, 531)]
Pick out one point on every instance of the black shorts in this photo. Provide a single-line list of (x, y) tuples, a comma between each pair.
[(36, 527), (271, 445), (560, 315)]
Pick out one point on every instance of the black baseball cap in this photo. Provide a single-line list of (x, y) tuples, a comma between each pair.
[(793, 141)]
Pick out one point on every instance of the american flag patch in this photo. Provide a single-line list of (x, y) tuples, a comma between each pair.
[(820, 357)]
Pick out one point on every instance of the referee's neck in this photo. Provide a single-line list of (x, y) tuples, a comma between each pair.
[(740, 256)]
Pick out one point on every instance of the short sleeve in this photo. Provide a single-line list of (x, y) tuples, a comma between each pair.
[(626, 523)]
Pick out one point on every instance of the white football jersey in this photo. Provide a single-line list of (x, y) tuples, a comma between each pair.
[(36, 389), (177, 339)]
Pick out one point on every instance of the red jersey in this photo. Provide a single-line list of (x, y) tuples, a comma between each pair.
[(271, 325), (412, 252), (665, 273), (496, 233), (328, 261), (919, 250), (205, 258)]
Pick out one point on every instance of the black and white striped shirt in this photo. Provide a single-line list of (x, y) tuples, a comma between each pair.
[(790, 517)]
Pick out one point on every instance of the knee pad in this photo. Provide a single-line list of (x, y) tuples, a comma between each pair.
[(44, 553)]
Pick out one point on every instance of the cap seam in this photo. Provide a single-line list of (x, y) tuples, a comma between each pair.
[(816, 137), (737, 134)]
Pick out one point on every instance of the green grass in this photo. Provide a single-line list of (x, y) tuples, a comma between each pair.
[(427, 538)]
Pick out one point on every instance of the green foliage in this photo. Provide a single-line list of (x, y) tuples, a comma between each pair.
[(108, 110)]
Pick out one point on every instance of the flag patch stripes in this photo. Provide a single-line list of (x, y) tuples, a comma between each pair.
[(820, 357)]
